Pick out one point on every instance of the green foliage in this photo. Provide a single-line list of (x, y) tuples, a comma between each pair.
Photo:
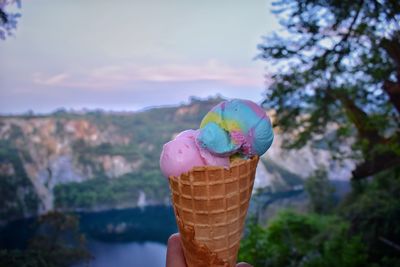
[(139, 140), (109, 149), (105, 192), (320, 191), (373, 210), (147, 131), (363, 230), (17, 195), (336, 72), (335, 77), (29, 258), (8, 20), (57, 243), (311, 240)]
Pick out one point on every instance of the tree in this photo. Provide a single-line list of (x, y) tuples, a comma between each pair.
[(320, 191), (57, 243), (374, 214), (8, 20), (308, 240), (338, 70)]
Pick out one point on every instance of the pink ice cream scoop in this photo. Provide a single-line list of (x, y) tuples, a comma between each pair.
[(208, 158), (183, 153)]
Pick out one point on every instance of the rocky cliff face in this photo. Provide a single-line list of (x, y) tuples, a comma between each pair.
[(39, 154), (47, 149), (98, 159)]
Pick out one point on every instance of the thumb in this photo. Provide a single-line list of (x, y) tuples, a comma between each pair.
[(175, 256)]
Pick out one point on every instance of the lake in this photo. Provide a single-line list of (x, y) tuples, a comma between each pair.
[(127, 254), (129, 237)]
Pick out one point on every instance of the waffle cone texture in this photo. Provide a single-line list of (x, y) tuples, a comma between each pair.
[(210, 205)]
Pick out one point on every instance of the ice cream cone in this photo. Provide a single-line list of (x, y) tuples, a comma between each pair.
[(210, 205)]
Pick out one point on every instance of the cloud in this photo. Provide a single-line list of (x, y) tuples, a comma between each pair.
[(109, 77), (40, 78)]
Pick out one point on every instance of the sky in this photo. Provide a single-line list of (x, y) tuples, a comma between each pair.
[(128, 54)]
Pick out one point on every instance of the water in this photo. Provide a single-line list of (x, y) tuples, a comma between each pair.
[(148, 254), (130, 237)]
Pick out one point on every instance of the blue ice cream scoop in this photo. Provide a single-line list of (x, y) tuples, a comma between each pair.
[(236, 126)]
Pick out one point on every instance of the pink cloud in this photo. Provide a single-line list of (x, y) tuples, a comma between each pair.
[(40, 78), (115, 75)]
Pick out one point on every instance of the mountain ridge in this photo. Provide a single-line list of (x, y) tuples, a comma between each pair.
[(97, 160)]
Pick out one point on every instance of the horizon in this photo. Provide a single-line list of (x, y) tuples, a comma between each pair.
[(99, 109), (137, 55)]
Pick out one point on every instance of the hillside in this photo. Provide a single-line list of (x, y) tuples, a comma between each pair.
[(99, 160), (87, 160)]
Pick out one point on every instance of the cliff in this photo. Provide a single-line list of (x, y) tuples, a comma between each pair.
[(87, 160), (97, 160)]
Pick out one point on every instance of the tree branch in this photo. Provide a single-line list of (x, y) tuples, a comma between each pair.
[(390, 243), (357, 116), (392, 48), (346, 36), (393, 90), (375, 165)]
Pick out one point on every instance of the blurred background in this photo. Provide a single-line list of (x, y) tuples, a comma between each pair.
[(91, 90)]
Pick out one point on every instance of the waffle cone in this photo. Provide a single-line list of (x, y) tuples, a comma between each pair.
[(210, 205)]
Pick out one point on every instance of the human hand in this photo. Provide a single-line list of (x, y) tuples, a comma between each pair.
[(175, 257)]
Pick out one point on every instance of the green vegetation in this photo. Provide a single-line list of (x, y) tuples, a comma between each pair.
[(320, 192), (106, 192), (17, 195), (373, 210), (138, 139), (311, 240), (129, 151), (147, 132), (57, 243), (8, 20), (337, 79), (337, 75), (336, 86), (362, 231)]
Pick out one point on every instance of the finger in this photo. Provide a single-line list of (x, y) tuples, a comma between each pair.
[(175, 256), (243, 264)]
